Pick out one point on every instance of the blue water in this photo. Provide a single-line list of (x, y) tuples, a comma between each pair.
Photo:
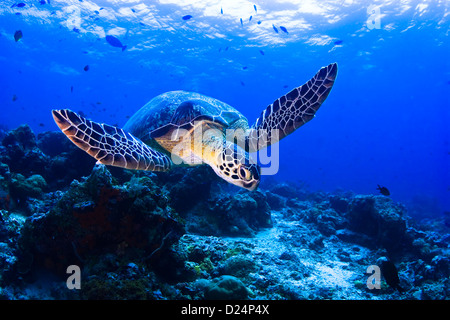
[(386, 121)]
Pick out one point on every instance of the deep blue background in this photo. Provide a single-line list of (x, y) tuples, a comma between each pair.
[(385, 122)]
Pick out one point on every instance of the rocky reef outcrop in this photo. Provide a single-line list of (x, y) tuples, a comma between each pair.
[(187, 235)]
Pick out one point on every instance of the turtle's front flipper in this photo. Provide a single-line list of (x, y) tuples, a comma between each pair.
[(110, 145), (292, 110)]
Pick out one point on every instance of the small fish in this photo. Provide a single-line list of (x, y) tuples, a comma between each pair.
[(244, 68), (226, 49), (262, 52), (86, 67), (390, 273), (41, 125), (76, 30), (242, 84), (20, 5), (259, 22), (115, 42), (250, 19), (221, 11), (254, 6), (283, 29), (134, 10), (14, 97), (18, 35), (285, 86), (71, 89), (242, 22), (383, 190), (187, 17), (42, 2), (337, 42), (275, 28)]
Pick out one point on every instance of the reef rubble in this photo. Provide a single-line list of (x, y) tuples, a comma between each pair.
[(187, 235)]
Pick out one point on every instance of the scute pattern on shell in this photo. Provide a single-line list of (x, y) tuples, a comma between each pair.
[(160, 111)]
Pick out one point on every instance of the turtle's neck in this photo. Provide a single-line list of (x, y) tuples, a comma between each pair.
[(212, 145)]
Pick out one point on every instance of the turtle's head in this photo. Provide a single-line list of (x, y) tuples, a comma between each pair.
[(236, 166)]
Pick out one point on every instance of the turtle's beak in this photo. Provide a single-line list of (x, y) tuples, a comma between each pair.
[(252, 186), (255, 178)]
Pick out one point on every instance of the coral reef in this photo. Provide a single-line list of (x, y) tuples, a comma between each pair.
[(242, 213), (226, 288), (95, 217), (186, 235)]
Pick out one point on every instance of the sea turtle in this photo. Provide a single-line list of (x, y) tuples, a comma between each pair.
[(186, 128)]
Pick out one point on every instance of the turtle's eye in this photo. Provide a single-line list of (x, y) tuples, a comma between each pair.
[(245, 174)]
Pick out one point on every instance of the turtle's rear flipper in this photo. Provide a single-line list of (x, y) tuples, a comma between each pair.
[(291, 111), (110, 145)]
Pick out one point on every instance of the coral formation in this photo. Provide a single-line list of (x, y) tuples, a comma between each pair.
[(226, 288), (186, 235)]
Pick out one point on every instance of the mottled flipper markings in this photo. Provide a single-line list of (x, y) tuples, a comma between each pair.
[(291, 111), (110, 145)]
